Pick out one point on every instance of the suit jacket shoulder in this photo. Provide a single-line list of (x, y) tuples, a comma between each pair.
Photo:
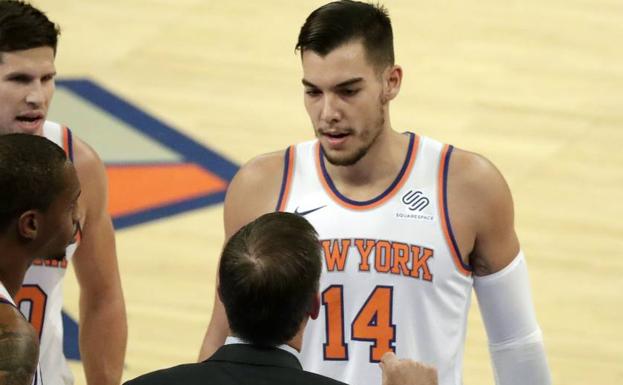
[(238, 364)]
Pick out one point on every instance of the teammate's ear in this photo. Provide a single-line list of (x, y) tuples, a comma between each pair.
[(315, 307), (392, 79), (28, 224)]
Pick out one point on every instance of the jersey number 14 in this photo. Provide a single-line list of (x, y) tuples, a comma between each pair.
[(373, 323)]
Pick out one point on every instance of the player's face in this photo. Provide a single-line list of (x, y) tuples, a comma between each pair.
[(26, 88), (61, 222), (343, 97)]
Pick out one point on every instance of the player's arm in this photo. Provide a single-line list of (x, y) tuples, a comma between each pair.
[(103, 325), (252, 192), (19, 348), (485, 216)]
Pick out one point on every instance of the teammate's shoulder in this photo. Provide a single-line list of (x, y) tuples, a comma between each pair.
[(84, 152), (19, 337)]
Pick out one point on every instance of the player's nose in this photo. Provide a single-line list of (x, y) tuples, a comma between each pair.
[(330, 109)]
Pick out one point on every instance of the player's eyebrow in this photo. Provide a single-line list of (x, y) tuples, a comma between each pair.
[(17, 75), (25, 75), (345, 83)]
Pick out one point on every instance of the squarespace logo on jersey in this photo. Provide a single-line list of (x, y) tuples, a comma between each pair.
[(416, 206)]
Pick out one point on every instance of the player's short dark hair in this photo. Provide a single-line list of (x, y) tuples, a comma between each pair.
[(31, 175), (269, 273), (341, 22), (23, 26)]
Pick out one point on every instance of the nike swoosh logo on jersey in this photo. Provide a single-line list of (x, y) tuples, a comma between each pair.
[(303, 213)]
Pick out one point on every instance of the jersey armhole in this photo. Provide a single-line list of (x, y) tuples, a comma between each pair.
[(286, 181), (68, 142), (444, 214)]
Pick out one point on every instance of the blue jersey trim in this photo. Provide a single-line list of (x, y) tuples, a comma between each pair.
[(391, 187), (70, 145), (284, 179), (446, 211)]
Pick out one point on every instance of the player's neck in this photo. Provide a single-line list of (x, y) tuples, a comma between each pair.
[(13, 266), (373, 173)]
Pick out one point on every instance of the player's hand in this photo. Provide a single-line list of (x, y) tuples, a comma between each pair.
[(406, 372)]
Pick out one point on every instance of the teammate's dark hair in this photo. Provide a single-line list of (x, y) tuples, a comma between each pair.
[(31, 175), (268, 275), (340, 22), (23, 26)]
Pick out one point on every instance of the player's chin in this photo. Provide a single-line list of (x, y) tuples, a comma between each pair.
[(341, 158)]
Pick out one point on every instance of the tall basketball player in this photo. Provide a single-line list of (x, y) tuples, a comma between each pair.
[(27, 50), (408, 225), (38, 219)]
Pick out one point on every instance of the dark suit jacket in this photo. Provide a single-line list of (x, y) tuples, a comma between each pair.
[(238, 364)]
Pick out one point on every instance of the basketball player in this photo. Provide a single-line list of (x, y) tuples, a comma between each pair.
[(39, 191), (408, 225), (27, 51)]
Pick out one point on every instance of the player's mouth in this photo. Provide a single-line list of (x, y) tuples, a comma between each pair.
[(30, 122), (336, 139)]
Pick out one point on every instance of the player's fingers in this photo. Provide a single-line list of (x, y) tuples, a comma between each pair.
[(388, 358)]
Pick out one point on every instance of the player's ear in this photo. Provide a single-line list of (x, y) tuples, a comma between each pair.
[(28, 224), (392, 79), (315, 307)]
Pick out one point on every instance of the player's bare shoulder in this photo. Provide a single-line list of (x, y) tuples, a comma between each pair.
[(481, 208), (92, 175), (19, 347), (254, 190), (474, 174), (86, 160)]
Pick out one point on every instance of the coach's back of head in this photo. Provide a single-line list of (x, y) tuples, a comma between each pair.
[(269, 274)]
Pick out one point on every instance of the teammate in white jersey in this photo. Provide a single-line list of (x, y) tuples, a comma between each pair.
[(38, 219), (28, 41), (408, 225)]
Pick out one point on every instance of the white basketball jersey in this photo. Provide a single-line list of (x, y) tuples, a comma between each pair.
[(392, 276), (41, 297), (5, 297)]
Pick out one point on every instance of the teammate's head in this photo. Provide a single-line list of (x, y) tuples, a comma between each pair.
[(340, 22), (28, 42), (23, 26), (349, 77), (268, 278), (39, 195)]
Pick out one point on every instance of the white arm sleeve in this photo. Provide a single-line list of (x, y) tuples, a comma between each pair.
[(515, 339)]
